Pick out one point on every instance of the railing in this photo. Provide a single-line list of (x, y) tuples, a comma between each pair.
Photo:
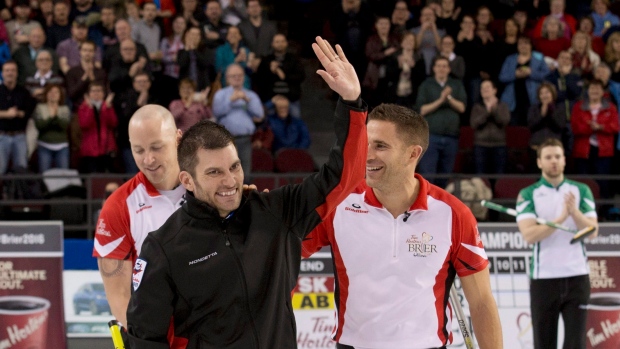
[(40, 209)]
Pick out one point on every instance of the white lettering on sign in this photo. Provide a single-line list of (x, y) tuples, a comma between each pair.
[(504, 240), (315, 266), (312, 285), (17, 334), (609, 328)]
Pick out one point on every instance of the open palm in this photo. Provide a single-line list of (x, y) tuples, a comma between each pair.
[(338, 72)]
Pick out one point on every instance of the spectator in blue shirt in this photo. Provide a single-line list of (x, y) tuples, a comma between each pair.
[(603, 18), (288, 132), (238, 109)]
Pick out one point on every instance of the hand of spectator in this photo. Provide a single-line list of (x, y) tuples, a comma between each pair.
[(338, 73), (456, 13), (446, 92), (617, 66), (12, 112), (389, 50), (543, 109), (212, 35), (241, 57), (109, 100), (273, 66), (143, 98), (37, 92), (595, 126), (491, 103)]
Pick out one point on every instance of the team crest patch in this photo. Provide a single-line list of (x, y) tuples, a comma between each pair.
[(138, 272)]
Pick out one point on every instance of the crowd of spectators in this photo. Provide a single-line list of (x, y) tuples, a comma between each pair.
[(547, 65), (73, 74)]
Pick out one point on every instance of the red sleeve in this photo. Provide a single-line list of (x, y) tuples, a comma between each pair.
[(113, 234), (110, 116), (319, 237), (468, 255), (610, 125), (579, 121)]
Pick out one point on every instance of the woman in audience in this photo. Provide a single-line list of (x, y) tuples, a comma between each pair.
[(98, 123), (584, 59), (379, 46), (489, 119), (52, 119), (233, 51), (191, 108), (405, 71), (586, 25), (193, 59), (602, 17), (595, 124), (522, 72), (545, 119), (612, 55), (170, 47), (484, 17), (552, 41), (468, 46)]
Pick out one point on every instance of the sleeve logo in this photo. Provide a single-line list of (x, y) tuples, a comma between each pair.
[(138, 272)]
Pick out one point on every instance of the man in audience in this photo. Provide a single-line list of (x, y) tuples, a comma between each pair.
[(20, 27), (60, 29), (122, 71), (125, 105), (148, 33), (281, 73), (69, 50), (84, 8), (25, 55), (428, 37), (215, 29), (122, 29), (441, 100), (82, 75), (43, 75), (237, 109), (257, 32), (288, 131), (102, 33), (16, 107)]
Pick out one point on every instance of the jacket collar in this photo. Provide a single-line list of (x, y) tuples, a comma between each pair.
[(201, 210), (420, 203), (585, 106)]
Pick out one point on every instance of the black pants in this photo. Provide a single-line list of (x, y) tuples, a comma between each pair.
[(342, 346), (551, 297)]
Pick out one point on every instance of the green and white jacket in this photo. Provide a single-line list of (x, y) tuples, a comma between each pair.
[(554, 256)]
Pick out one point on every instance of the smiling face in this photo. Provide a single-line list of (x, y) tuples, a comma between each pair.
[(43, 62), (545, 96), (389, 158), (217, 179), (153, 145), (179, 25)]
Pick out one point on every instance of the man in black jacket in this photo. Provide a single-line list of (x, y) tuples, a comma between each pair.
[(223, 266)]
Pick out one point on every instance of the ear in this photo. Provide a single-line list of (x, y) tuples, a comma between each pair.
[(187, 180), (415, 153), (538, 163), (179, 135)]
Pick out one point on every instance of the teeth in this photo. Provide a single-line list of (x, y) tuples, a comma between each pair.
[(227, 193), (373, 168)]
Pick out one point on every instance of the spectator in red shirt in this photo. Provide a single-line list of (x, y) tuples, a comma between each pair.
[(557, 8), (552, 41), (98, 122)]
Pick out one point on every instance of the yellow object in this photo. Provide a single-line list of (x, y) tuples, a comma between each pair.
[(115, 330)]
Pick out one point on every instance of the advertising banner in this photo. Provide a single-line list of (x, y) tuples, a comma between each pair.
[(31, 315), (87, 311)]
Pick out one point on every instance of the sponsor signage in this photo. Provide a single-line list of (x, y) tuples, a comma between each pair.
[(31, 303)]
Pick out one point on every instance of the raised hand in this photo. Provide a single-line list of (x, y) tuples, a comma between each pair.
[(338, 73)]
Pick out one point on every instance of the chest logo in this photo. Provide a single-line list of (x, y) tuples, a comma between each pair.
[(138, 273), (421, 246), (356, 209), (143, 207)]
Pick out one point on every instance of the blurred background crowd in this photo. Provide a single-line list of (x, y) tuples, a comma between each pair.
[(494, 78)]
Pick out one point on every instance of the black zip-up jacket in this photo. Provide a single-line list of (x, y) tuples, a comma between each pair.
[(227, 282)]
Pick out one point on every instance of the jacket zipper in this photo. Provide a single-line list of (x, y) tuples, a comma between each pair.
[(394, 234), (244, 285)]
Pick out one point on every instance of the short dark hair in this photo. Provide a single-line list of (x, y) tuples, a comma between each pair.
[(204, 134), (549, 142), (61, 91), (88, 42), (410, 124), (188, 81), (598, 82), (440, 58), (142, 73), (96, 84)]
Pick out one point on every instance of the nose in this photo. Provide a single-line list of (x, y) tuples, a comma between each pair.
[(229, 180), (148, 158)]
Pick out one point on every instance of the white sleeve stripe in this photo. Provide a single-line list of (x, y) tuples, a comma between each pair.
[(589, 202), (475, 249), (104, 250), (523, 216), (591, 214)]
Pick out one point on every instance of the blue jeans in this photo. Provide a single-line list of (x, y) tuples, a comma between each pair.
[(60, 158), (490, 159), (15, 149), (128, 161), (439, 157)]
